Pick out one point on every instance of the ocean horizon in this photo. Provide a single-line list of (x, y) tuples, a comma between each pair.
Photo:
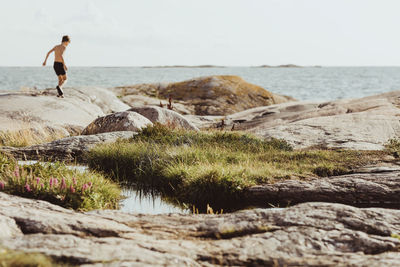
[(303, 83)]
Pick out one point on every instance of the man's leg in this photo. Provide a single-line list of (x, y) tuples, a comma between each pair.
[(64, 79), (61, 81)]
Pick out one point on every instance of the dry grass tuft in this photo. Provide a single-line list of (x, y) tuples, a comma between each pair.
[(27, 137)]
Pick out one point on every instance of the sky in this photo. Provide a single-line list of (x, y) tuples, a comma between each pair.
[(193, 32)]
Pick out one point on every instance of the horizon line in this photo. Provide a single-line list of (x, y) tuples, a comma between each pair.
[(207, 66)]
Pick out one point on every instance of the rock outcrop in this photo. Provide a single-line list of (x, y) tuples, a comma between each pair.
[(313, 234), (366, 123), (164, 116), (120, 121), (43, 116), (65, 149), (376, 187), (213, 95)]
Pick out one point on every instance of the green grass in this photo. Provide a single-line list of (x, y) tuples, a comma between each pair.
[(59, 185), (214, 167)]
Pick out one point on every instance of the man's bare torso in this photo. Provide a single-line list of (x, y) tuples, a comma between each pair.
[(58, 53)]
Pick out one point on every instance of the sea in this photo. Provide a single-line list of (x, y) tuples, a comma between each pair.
[(306, 83)]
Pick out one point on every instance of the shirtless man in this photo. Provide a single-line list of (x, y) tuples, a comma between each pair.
[(59, 65)]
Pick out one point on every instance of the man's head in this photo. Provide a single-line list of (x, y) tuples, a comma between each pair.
[(65, 40)]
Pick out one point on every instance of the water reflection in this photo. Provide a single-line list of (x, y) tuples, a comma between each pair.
[(137, 202)]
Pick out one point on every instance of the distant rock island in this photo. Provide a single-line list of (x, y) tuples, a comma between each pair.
[(288, 66), (184, 66)]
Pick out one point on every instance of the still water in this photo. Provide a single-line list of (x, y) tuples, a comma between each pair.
[(136, 202)]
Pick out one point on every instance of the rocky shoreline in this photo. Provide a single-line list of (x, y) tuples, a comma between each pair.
[(308, 234)]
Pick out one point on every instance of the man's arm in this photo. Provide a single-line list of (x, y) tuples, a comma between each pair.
[(65, 66), (62, 57), (52, 50)]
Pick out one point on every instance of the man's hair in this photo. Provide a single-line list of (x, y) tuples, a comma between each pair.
[(65, 38)]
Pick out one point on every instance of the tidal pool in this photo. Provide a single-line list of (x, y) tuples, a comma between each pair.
[(134, 201)]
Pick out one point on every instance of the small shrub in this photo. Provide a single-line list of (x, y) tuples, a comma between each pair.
[(393, 147)]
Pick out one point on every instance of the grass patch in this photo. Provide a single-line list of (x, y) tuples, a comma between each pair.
[(59, 185), (214, 167), (26, 137)]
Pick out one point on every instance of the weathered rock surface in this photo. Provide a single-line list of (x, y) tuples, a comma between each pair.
[(65, 149), (367, 123), (380, 187), (313, 234), (140, 99), (213, 95), (44, 116), (164, 116), (205, 122), (120, 121)]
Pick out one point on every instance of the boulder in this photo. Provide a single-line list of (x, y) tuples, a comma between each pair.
[(120, 121), (311, 234), (212, 95), (39, 116), (66, 149), (164, 116)]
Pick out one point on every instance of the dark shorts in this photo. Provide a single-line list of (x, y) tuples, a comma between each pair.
[(59, 68)]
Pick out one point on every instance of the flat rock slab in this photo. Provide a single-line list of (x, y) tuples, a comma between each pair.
[(378, 187), (66, 149), (311, 234), (364, 124), (44, 115)]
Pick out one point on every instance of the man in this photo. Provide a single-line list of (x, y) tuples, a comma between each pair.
[(59, 65)]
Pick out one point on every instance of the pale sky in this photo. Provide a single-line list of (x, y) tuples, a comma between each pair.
[(195, 32)]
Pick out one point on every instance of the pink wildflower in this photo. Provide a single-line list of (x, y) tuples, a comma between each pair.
[(55, 181), (72, 189), (27, 188), (84, 187), (42, 185), (63, 184), (74, 180), (51, 182), (90, 184), (37, 180), (2, 185)]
